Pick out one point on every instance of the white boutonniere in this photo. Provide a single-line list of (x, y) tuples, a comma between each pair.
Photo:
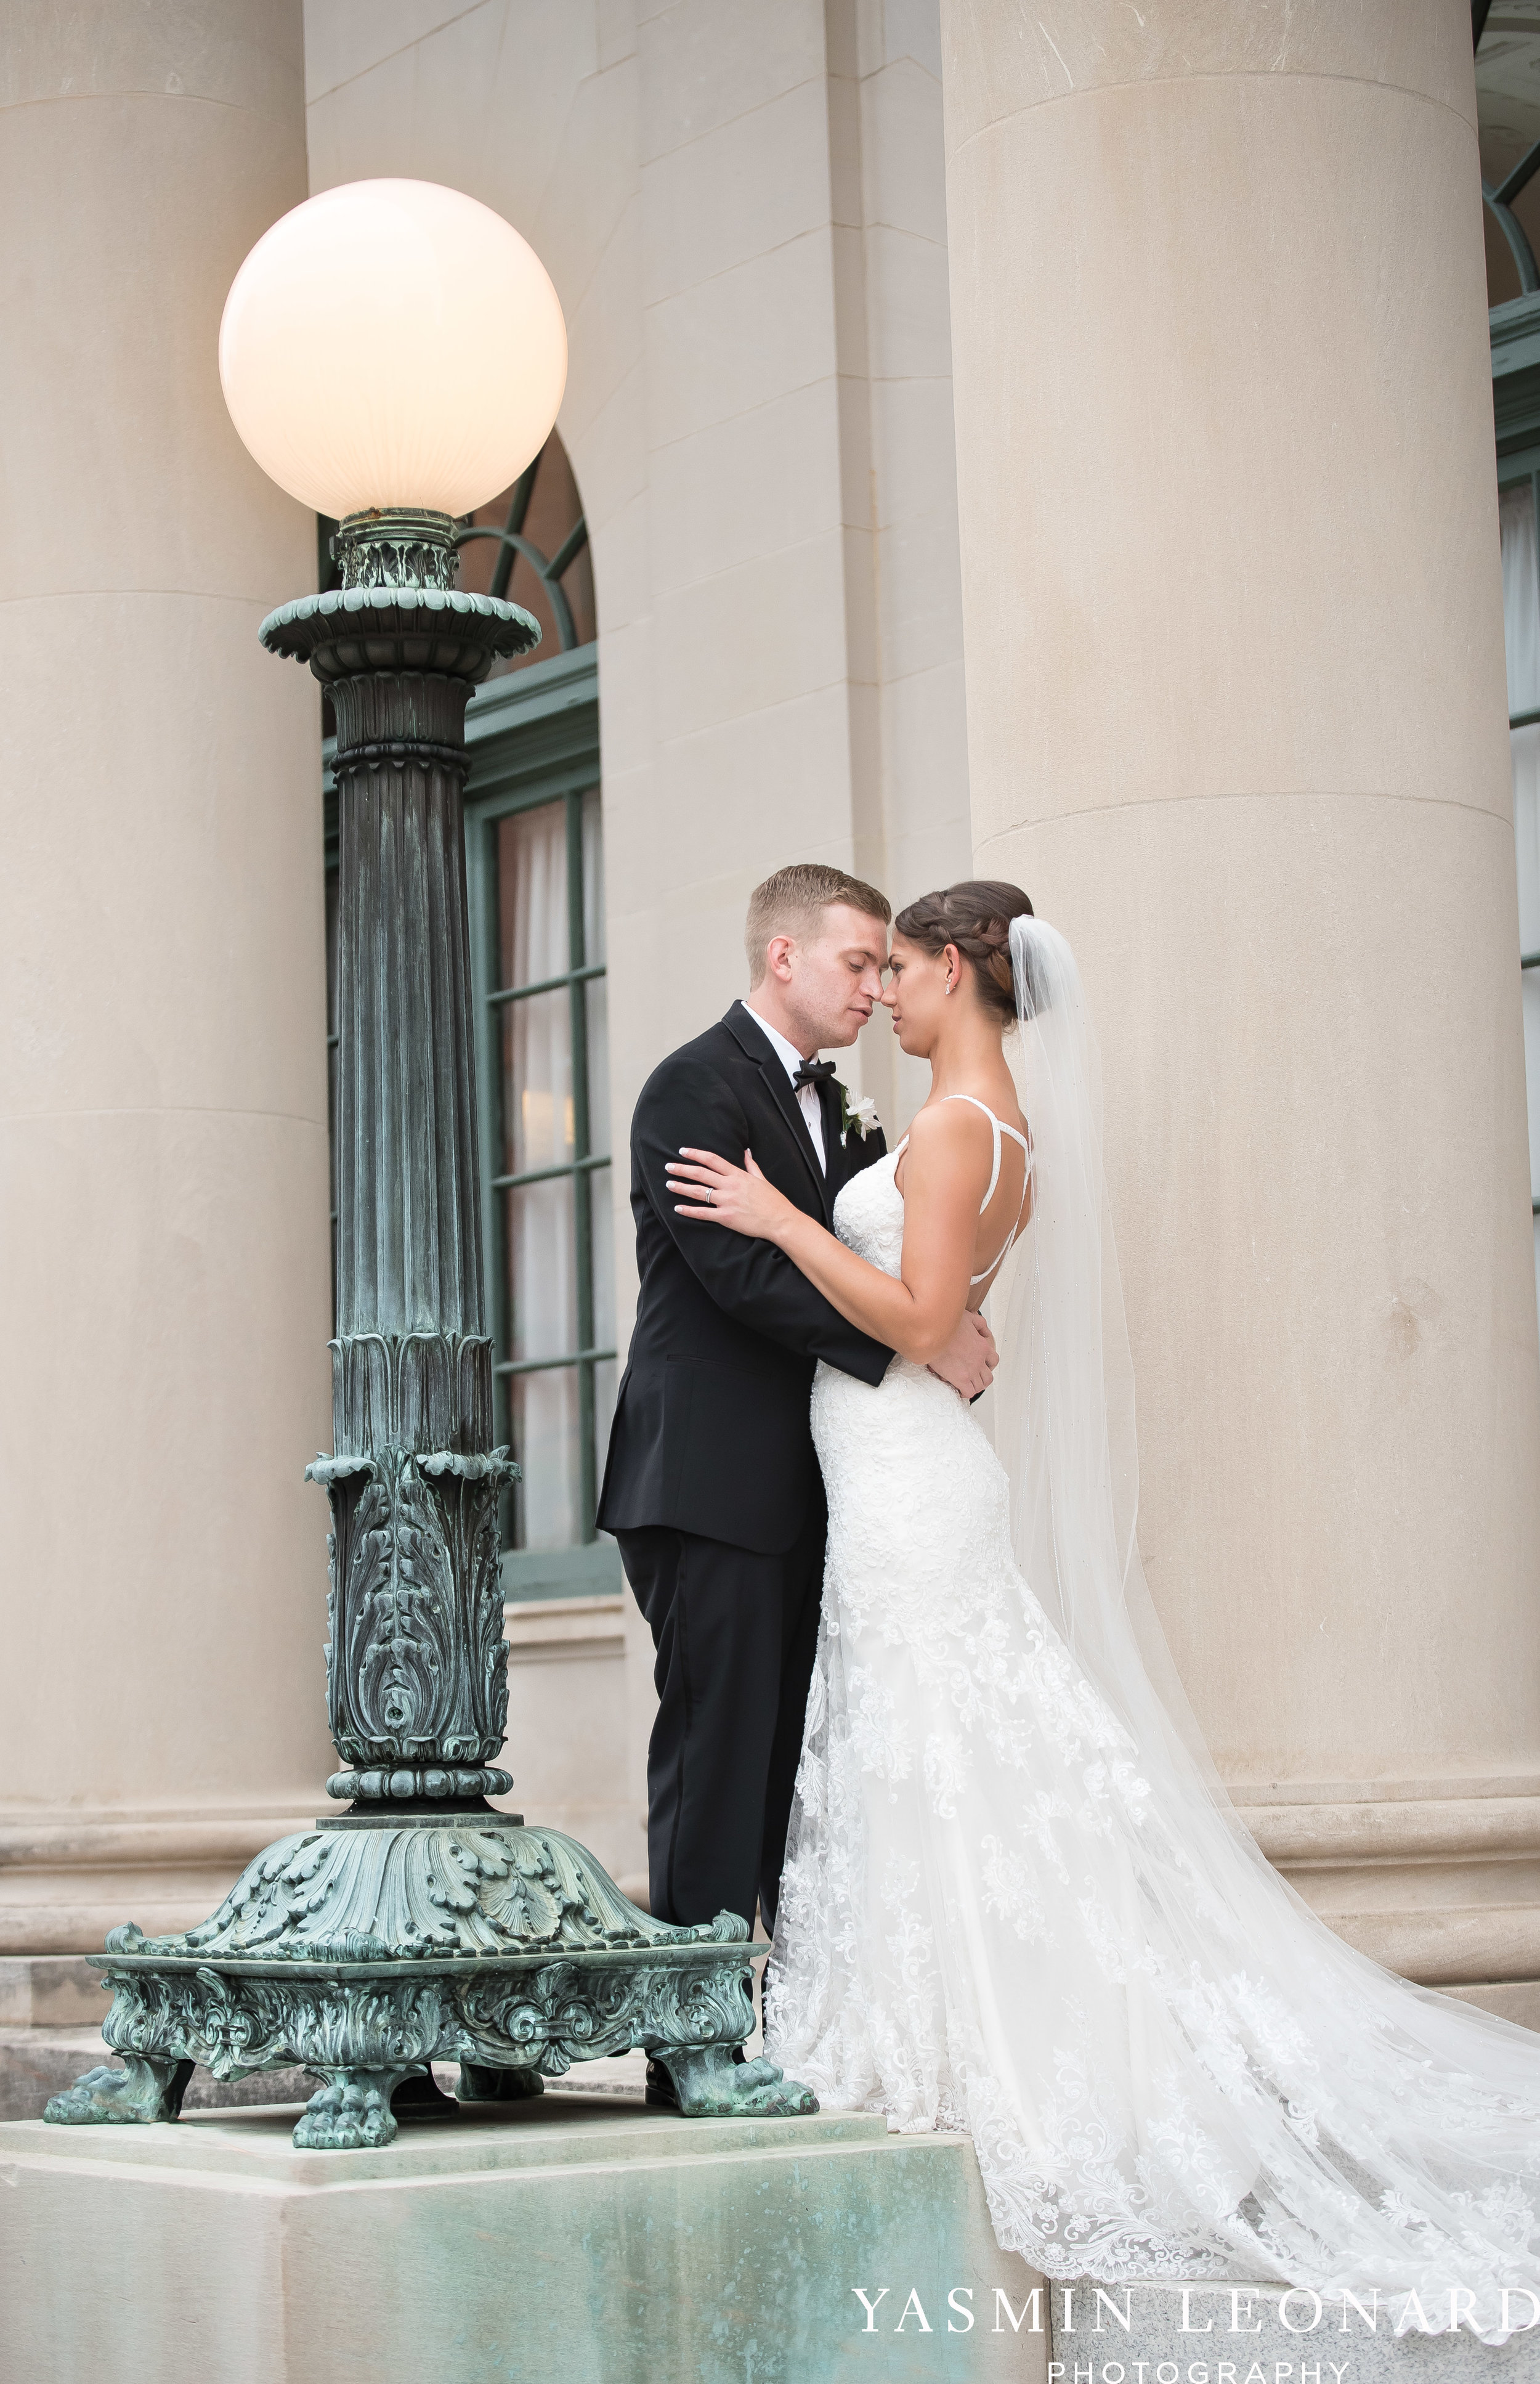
[(861, 1115)]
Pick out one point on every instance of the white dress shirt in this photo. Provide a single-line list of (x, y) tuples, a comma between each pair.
[(806, 1095)]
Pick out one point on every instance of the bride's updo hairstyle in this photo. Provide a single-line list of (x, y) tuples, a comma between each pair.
[(976, 917)]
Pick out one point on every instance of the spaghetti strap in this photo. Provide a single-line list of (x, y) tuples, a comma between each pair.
[(997, 1127)]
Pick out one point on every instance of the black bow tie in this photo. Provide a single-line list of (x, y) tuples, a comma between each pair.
[(812, 1072)]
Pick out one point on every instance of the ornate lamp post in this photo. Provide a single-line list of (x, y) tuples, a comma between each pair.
[(392, 352)]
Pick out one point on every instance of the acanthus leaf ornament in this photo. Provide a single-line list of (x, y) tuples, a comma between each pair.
[(366, 1953), (417, 1668)]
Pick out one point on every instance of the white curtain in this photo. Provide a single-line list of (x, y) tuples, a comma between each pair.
[(538, 1115), (602, 1179), (1521, 637), (540, 1131)]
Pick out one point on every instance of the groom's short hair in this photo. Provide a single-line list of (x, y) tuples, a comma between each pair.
[(792, 902)]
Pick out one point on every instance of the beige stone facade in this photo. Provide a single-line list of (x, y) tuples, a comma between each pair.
[(1228, 573), (162, 1155)]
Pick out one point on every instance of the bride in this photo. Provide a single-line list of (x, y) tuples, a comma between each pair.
[(1016, 1900)]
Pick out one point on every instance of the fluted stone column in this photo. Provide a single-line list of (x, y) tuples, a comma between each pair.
[(162, 1127), (1235, 719)]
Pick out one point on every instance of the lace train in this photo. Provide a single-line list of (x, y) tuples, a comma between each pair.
[(998, 1916)]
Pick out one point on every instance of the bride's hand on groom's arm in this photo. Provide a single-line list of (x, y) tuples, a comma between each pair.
[(717, 1193), (970, 1359)]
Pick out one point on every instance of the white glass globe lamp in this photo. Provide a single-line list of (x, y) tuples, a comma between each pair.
[(392, 346)]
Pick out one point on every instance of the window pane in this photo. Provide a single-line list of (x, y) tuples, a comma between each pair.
[(606, 1382), (1521, 639), (532, 894), (607, 1375), (1520, 596), (1531, 1072), (549, 1273), (542, 1273), (547, 1501), (1525, 743), (601, 1196), (536, 1082), (595, 1003), (593, 879)]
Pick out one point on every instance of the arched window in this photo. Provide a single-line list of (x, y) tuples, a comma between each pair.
[(531, 545)]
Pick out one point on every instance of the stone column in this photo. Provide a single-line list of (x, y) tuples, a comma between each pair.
[(1235, 719), (163, 1081)]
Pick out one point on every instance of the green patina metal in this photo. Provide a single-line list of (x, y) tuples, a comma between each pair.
[(368, 1948), (533, 745), (420, 1925)]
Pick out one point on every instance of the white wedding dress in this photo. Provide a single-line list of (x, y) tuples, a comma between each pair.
[(1016, 1899)]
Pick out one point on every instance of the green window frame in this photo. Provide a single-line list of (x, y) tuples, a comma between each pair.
[(1514, 472), (534, 742), (1515, 335)]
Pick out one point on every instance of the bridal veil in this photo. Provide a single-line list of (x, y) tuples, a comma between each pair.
[(1388, 2135)]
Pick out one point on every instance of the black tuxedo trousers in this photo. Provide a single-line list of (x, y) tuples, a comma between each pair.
[(735, 1634), (712, 1487)]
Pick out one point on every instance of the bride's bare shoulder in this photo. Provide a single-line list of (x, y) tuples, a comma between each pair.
[(951, 1130)]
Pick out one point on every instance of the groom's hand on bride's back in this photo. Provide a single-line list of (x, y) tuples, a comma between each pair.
[(970, 1359)]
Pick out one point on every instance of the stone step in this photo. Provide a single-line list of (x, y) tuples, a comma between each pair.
[(50, 1991), (1250, 2333), (37, 2062)]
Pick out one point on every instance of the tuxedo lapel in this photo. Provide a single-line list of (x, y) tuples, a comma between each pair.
[(741, 1025), (833, 1149)]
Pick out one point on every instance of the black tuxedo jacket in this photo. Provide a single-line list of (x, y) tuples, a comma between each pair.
[(712, 1432)]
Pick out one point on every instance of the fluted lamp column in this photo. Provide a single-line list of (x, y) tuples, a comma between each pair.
[(418, 1924)]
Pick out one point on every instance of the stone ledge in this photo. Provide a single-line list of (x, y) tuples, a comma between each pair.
[(66, 1878), (1452, 1945), (109, 1841), (50, 1991), (37, 2062), (1398, 1828), (1433, 1788), (581, 2237), (1439, 1880), (1514, 1999), (560, 1630)]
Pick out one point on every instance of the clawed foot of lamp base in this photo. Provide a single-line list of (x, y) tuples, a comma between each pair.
[(141, 2091), (710, 2084), (351, 2113)]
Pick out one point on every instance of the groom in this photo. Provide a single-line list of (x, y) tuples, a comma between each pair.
[(712, 1486)]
